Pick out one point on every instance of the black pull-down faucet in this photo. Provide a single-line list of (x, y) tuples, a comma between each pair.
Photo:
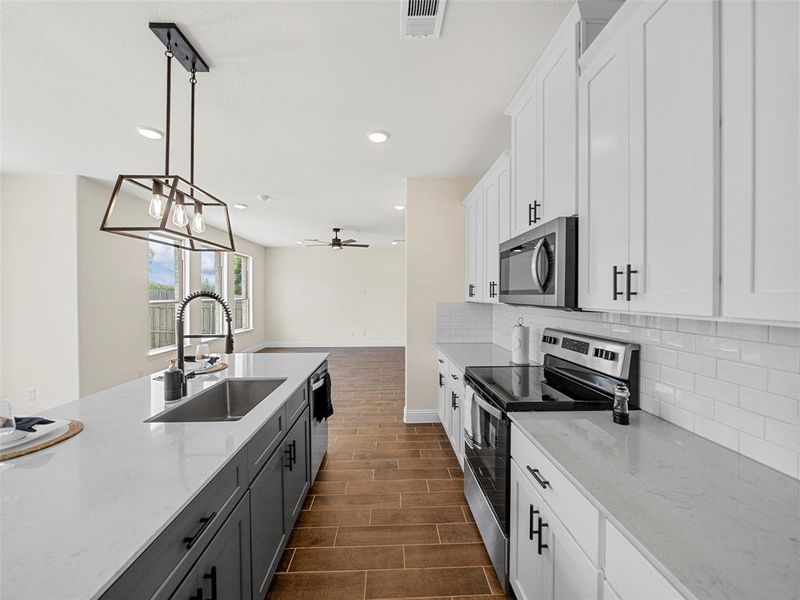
[(180, 336)]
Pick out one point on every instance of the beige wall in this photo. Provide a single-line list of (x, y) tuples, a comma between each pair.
[(38, 268), (317, 296), (435, 272), (74, 299)]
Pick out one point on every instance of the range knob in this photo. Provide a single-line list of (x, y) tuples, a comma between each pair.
[(549, 339), (605, 354)]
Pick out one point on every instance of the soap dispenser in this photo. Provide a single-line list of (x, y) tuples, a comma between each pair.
[(173, 382)]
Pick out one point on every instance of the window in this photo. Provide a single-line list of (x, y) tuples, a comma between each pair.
[(167, 282), (242, 292), (211, 280)]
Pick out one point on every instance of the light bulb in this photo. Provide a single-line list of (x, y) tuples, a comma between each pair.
[(179, 216), (156, 208), (198, 220)]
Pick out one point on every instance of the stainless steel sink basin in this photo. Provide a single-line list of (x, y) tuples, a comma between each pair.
[(229, 400)]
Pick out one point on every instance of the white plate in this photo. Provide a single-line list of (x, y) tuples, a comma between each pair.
[(8, 439), (42, 434)]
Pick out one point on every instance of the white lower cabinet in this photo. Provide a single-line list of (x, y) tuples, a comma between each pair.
[(546, 561), (442, 372), (455, 419)]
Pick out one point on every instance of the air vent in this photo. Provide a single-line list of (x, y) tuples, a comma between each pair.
[(421, 19)]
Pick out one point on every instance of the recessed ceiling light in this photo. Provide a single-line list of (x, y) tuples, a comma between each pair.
[(378, 137), (240, 206), (399, 206), (151, 133), (300, 242)]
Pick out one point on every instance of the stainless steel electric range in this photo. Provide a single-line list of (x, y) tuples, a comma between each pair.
[(580, 372)]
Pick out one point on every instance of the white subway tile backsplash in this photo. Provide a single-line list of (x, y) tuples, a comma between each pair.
[(787, 384), (784, 358), (700, 375), (678, 341), (680, 379), (695, 363), (716, 389), (770, 405), (717, 432), (755, 377), (718, 347), (740, 419), (743, 331)]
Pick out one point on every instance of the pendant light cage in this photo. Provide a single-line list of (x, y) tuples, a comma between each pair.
[(178, 208)]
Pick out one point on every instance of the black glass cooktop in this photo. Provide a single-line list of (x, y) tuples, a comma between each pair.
[(556, 385)]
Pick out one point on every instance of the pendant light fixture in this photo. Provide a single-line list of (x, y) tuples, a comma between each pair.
[(178, 206)]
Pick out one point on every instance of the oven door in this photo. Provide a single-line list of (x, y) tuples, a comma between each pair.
[(487, 450)]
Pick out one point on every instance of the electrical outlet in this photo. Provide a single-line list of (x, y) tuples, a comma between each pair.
[(31, 391)]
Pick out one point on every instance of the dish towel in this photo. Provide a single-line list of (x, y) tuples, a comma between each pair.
[(323, 399), (27, 423)]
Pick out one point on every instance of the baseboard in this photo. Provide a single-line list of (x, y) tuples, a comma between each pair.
[(255, 348), (420, 416), (349, 344)]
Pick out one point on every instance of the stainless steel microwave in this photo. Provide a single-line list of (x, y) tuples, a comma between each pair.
[(540, 267)]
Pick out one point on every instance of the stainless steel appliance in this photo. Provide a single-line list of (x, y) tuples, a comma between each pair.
[(580, 372), (318, 395), (540, 267)]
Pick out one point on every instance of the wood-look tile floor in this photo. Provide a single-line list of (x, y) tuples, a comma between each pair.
[(387, 517)]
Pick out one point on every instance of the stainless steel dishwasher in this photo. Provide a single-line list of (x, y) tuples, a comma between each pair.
[(319, 384)]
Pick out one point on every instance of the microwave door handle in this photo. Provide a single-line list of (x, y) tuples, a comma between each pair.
[(487, 407), (537, 282)]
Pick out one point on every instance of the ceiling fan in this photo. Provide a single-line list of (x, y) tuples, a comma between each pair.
[(336, 243)]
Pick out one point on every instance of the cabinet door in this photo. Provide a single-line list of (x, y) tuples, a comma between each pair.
[(568, 572), (505, 209), (441, 395), (296, 470), (266, 523), (760, 156), (525, 162), (674, 121), (603, 186), (558, 127), (491, 255), (471, 205), (526, 565), (223, 570)]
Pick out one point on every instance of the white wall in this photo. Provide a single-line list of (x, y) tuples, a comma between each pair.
[(435, 272), (38, 268), (322, 297)]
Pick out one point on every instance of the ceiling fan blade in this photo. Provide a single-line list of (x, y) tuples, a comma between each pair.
[(314, 240), (356, 245), (315, 245), (350, 241)]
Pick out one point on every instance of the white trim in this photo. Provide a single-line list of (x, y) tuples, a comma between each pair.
[(255, 348), (423, 415), (392, 344)]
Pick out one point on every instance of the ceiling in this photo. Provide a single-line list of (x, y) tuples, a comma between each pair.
[(293, 90)]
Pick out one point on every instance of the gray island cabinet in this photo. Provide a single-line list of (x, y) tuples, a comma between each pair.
[(227, 542)]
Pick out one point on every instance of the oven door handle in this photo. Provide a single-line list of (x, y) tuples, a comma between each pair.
[(471, 441), (496, 413)]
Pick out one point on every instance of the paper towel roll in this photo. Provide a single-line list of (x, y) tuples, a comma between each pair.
[(520, 344)]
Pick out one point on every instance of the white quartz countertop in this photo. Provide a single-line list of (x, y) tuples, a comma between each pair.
[(73, 517), (476, 355), (715, 523)]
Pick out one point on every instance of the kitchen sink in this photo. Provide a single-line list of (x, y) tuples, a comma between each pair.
[(229, 400)]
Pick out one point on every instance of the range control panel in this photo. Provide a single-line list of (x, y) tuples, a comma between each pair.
[(612, 357)]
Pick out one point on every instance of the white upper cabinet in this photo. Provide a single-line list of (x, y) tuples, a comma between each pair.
[(544, 122), (760, 73), (488, 222), (648, 135)]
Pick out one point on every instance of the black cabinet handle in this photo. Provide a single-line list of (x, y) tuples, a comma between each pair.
[(531, 531), (615, 273), (533, 212), (454, 376), (288, 452), (453, 398), (492, 289), (190, 541), (212, 575), (198, 595), (441, 380), (441, 362), (538, 477), (540, 544), (471, 290), (628, 272)]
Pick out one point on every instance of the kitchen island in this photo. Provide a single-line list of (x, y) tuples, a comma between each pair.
[(77, 515)]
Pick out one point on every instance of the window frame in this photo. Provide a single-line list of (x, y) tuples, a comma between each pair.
[(183, 283), (249, 295), (222, 286)]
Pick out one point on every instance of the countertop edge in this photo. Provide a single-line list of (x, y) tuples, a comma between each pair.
[(665, 572)]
